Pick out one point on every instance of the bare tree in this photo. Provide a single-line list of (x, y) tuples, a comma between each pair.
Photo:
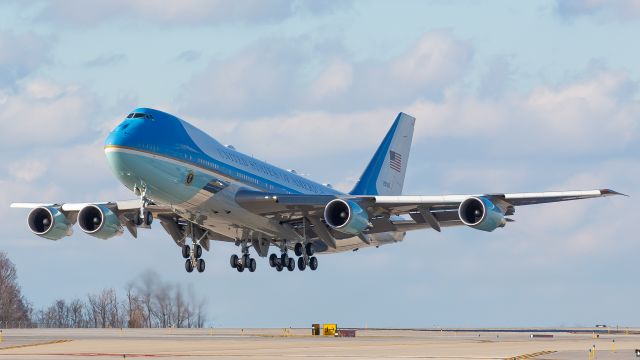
[(15, 311)]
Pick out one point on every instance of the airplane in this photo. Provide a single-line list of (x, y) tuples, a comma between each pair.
[(201, 190)]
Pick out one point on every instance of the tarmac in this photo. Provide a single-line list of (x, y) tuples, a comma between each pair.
[(299, 344)]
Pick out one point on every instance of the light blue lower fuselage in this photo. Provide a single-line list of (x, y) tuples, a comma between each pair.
[(178, 165)]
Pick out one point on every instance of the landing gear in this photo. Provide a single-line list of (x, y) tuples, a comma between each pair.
[(245, 261), (297, 249), (291, 264), (200, 265), (309, 249), (193, 253), (302, 264), (273, 260), (313, 263)]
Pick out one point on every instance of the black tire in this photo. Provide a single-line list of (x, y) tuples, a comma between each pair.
[(273, 258), (234, 261), (291, 265), (200, 265), (148, 218), (188, 266), (301, 264), (245, 260), (298, 249), (139, 219), (309, 249), (279, 267), (197, 250), (186, 251), (313, 263), (252, 265), (284, 259), (240, 268)]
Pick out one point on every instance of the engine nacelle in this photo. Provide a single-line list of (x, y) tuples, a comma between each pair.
[(481, 213), (99, 221), (346, 216), (49, 222)]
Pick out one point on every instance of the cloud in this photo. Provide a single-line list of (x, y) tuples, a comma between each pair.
[(20, 55), (44, 113), (618, 9), (274, 77), (178, 13), (105, 60)]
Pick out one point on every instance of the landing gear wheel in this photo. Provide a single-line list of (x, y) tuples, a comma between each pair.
[(291, 265), (279, 267), (273, 258), (309, 249), (301, 264), (200, 265), (313, 263), (148, 218), (252, 265), (240, 268), (234, 261), (284, 259), (186, 251), (188, 265), (139, 220), (245, 260), (298, 249), (197, 250)]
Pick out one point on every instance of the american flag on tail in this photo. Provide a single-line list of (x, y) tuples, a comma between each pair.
[(395, 161)]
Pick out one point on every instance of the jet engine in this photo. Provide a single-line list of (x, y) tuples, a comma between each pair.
[(481, 213), (346, 216), (49, 222), (99, 221)]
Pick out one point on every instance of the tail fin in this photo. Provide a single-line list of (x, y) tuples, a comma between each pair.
[(385, 173)]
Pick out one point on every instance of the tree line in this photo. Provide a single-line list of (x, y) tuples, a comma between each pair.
[(146, 302)]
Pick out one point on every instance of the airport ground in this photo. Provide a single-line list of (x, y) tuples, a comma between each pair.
[(299, 344)]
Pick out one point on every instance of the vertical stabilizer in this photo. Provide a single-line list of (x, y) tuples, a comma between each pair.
[(385, 173)]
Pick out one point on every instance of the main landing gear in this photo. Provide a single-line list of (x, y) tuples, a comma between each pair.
[(243, 262), (305, 258), (193, 258), (193, 254)]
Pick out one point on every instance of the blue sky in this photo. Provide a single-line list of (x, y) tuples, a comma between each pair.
[(508, 97)]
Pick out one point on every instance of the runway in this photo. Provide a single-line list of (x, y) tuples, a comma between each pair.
[(299, 344)]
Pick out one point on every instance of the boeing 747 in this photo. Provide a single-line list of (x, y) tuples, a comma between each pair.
[(202, 191)]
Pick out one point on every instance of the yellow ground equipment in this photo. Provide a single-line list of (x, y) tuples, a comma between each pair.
[(329, 329)]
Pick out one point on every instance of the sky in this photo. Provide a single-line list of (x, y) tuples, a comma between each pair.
[(509, 97)]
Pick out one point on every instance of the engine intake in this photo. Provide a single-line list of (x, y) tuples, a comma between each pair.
[(99, 221), (481, 213), (49, 222), (346, 216)]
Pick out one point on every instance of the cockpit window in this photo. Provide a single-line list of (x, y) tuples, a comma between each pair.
[(130, 116), (138, 115)]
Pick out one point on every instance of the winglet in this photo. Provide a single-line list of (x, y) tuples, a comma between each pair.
[(609, 192)]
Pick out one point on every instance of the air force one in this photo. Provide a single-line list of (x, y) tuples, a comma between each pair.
[(201, 190)]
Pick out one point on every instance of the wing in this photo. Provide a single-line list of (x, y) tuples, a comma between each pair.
[(405, 212), (105, 219)]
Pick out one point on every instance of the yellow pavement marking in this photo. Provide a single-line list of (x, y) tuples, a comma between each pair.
[(36, 344), (530, 356)]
